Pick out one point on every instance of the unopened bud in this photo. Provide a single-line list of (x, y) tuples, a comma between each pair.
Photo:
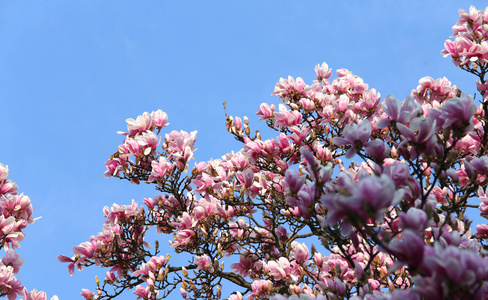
[(184, 271), (161, 275)]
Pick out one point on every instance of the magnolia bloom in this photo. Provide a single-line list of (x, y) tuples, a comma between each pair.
[(451, 271), (151, 266), (13, 259), (409, 251), (159, 118), (378, 149), (369, 198), (18, 206), (261, 288), (355, 135), (323, 71), (399, 112), (35, 295), (458, 112), (265, 111), (236, 296), (287, 118), (300, 251), (280, 269), (160, 169), (414, 218), (484, 200), (141, 124), (9, 285), (480, 164), (3, 172), (203, 263), (288, 88), (482, 231), (140, 292)]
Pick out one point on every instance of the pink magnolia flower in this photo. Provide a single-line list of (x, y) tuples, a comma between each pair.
[(18, 206), (71, 266), (280, 269), (142, 123), (140, 292), (377, 149), (35, 295), (9, 285), (432, 91), (265, 111), (236, 296), (369, 198), (294, 180), (13, 259), (480, 165), (203, 263), (148, 142), (113, 168), (183, 292), (484, 200), (397, 171), (289, 88), (414, 218), (399, 112), (451, 271), (183, 238), (458, 113), (160, 168), (152, 266), (355, 135), (409, 251), (287, 118), (261, 288), (323, 71), (7, 186), (370, 102), (300, 252), (482, 231), (118, 213), (3, 172), (159, 118), (246, 264), (420, 131)]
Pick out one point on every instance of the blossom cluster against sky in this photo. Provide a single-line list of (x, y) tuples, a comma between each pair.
[(73, 71)]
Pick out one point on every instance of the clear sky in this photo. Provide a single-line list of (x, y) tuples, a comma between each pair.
[(71, 72)]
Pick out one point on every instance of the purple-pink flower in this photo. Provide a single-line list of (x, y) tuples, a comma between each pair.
[(355, 135)]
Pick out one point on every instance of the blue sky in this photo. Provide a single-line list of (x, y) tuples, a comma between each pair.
[(71, 72)]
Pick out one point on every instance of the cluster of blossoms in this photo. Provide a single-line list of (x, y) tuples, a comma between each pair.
[(295, 220), (15, 215)]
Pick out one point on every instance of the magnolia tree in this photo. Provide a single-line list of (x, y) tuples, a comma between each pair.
[(354, 198), (15, 216)]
